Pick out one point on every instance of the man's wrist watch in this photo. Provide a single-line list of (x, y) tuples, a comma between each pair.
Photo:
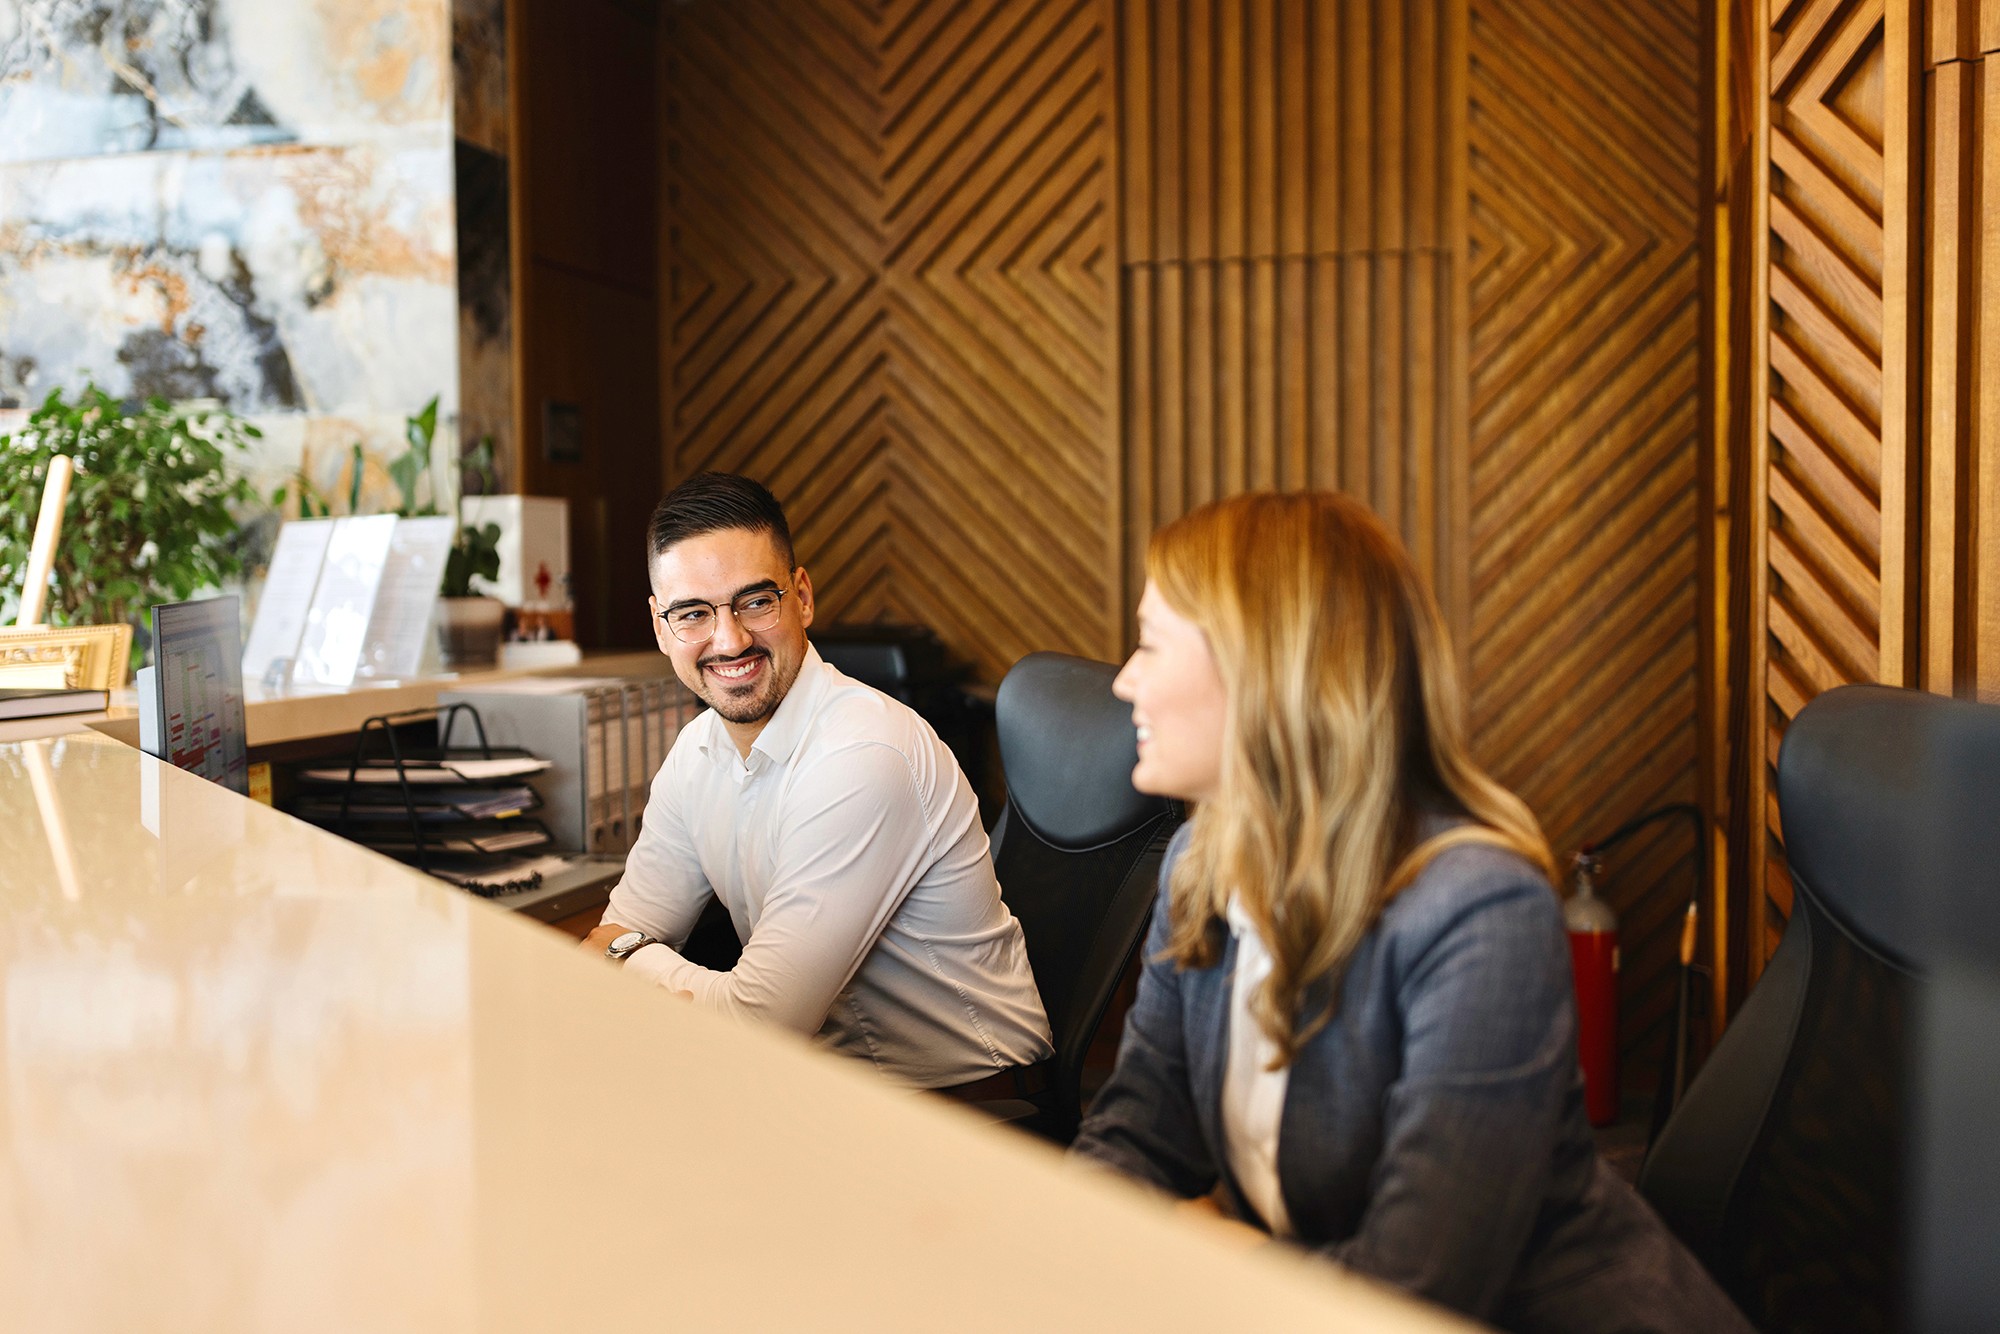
[(624, 946)]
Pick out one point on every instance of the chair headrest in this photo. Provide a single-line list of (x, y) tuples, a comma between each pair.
[(1067, 745), (1887, 796)]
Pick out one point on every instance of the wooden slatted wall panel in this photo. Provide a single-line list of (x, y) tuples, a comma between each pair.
[(906, 293), (1584, 130), (1292, 294), (1960, 653), (1839, 505), (888, 246)]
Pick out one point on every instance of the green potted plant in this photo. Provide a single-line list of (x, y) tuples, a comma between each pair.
[(151, 513), (469, 624)]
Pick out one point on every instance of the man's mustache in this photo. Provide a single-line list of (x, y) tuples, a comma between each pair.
[(713, 658)]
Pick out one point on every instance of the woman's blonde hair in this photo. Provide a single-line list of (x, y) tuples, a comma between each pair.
[(1345, 725)]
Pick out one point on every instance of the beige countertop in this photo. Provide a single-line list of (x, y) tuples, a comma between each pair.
[(259, 1078)]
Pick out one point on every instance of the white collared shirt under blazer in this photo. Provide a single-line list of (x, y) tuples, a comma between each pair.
[(1253, 1094), (849, 853)]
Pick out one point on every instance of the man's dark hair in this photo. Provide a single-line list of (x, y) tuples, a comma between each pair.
[(711, 502)]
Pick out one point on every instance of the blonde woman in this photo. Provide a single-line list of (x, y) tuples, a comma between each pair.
[(1356, 1015)]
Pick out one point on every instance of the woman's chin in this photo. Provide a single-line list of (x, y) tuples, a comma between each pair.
[(1155, 785)]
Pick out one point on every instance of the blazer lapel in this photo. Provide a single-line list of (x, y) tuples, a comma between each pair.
[(1205, 997)]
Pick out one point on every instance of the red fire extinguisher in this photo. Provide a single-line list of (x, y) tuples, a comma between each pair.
[(1593, 957)]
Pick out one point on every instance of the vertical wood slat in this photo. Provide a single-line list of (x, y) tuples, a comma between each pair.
[(1425, 100), (1108, 285), (1390, 232), (1981, 462), (1170, 110), (1455, 248), (1293, 133), (1356, 89), (1324, 127), (1198, 76), (1263, 78), (1902, 399), (1422, 355), (1385, 463), (1142, 121), (1723, 353), (1953, 261)]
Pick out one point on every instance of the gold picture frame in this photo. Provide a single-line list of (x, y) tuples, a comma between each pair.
[(92, 657)]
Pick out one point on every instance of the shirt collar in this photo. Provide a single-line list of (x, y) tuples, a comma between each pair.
[(781, 736)]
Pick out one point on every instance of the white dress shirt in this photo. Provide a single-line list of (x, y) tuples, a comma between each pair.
[(849, 853), (1253, 1094)]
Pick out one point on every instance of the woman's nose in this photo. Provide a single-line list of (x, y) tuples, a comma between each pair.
[(1121, 685)]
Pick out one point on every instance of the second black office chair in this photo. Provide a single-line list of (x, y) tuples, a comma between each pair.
[(1077, 851), (1784, 1167)]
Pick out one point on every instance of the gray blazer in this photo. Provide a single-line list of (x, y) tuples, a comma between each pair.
[(1433, 1134)]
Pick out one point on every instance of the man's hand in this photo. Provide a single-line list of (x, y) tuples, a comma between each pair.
[(600, 940)]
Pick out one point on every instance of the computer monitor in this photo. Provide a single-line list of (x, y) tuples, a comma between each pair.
[(194, 691)]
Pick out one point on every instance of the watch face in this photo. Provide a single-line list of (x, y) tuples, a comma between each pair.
[(628, 942)]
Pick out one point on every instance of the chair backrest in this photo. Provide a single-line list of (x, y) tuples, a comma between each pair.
[(1077, 849), (1783, 1167), (1955, 1168)]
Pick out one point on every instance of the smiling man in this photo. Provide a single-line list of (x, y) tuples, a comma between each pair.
[(829, 820)]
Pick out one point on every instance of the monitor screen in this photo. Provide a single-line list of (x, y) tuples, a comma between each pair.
[(198, 685)]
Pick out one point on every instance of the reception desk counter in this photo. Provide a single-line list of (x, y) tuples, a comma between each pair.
[(258, 1078), (273, 718)]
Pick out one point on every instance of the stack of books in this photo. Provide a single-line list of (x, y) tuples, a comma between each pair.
[(23, 703)]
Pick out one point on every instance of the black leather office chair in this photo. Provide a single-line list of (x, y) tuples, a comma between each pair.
[(1955, 1168), (1784, 1166), (1077, 851)]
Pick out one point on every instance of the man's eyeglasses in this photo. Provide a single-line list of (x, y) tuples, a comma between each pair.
[(695, 622)]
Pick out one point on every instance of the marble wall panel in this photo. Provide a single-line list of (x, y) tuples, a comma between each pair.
[(80, 77), (245, 200)]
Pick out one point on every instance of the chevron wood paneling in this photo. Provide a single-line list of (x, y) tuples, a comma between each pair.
[(1292, 176), (1839, 510), (1584, 134), (888, 246)]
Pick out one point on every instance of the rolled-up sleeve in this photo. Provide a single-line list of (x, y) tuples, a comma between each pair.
[(663, 889), (853, 842)]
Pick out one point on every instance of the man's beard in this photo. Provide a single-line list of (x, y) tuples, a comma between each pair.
[(741, 709)]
